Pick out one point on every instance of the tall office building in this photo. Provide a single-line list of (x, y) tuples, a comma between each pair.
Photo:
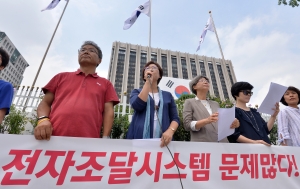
[(14, 71), (127, 61)]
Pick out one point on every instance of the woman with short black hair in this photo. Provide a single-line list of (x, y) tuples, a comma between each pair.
[(253, 128), (289, 118)]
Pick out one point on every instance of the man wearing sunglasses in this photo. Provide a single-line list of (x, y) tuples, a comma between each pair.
[(78, 104), (6, 89), (253, 128)]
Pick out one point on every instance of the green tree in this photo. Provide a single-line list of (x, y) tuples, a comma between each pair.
[(14, 122), (273, 134), (292, 3), (33, 119), (120, 127), (181, 134)]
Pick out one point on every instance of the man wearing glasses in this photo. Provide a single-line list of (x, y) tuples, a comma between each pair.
[(6, 89), (77, 104)]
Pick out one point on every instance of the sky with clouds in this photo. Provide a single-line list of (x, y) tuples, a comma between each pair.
[(261, 38)]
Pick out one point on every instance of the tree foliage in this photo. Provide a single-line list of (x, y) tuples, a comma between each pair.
[(292, 3), (120, 127), (181, 134), (273, 135), (14, 122)]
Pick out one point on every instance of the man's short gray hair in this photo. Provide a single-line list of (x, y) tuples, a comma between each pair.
[(95, 45)]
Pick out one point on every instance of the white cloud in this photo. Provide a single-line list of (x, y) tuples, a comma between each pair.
[(260, 57)]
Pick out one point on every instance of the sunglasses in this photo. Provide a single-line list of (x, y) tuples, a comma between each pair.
[(247, 92)]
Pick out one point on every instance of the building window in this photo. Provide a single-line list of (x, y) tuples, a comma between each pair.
[(229, 73), (119, 72), (213, 79), (153, 57), (223, 83), (202, 68), (184, 69), (193, 67), (174, 67), (164, 64), (131, 73), (142, 65)]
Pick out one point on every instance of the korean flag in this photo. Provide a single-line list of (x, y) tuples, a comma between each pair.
[(175, 86)]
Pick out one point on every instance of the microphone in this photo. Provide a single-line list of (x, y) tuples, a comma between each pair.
[(148, 75)]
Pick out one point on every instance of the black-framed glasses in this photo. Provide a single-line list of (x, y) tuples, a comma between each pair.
[(247, 92)]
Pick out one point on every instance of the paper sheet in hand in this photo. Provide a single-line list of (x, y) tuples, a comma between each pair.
[(226, 117), (274, 95)]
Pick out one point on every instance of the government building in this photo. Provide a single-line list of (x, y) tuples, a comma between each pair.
[(14, 71), (127, 61)]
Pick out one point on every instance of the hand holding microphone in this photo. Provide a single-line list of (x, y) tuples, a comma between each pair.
[(148, 76)]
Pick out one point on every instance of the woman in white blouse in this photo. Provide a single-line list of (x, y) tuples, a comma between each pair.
[(289, 118), (200, 115)]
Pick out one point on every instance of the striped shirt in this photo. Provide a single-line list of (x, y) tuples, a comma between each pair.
[(289, 126)]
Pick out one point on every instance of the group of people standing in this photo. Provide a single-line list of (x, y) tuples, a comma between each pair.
[(80, 104), (155, 114)]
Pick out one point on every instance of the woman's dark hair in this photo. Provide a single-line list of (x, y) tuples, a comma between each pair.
[(5, 57), (291, 88), (159, 69), (238, 87)]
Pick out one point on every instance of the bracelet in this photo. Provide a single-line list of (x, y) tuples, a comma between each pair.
[(172, 129), (42, 117), (41, 120)]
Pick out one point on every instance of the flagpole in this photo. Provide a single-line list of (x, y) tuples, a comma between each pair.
[(223, 59), (217, 36), (38, 72), (149, 54)]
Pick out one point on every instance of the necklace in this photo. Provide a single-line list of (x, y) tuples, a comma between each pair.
[(252, 116), (205, 103)]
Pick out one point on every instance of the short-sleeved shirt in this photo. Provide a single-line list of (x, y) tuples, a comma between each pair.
[(6, 95), (78, 106)]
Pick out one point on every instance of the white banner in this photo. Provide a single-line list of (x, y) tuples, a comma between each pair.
[(66, 162), (175, 86)]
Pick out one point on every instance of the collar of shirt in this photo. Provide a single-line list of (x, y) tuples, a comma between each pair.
[(196, 98), (292, 108), (79, 72)]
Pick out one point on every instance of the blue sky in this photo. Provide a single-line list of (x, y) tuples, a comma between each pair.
[(259, 37)]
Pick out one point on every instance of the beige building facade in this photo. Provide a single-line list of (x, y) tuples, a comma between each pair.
[(14, 71), (127, 61)]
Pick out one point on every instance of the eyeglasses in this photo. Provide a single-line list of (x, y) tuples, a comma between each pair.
[(91, 50), (247, 92), (151, 68), (203, 81)]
